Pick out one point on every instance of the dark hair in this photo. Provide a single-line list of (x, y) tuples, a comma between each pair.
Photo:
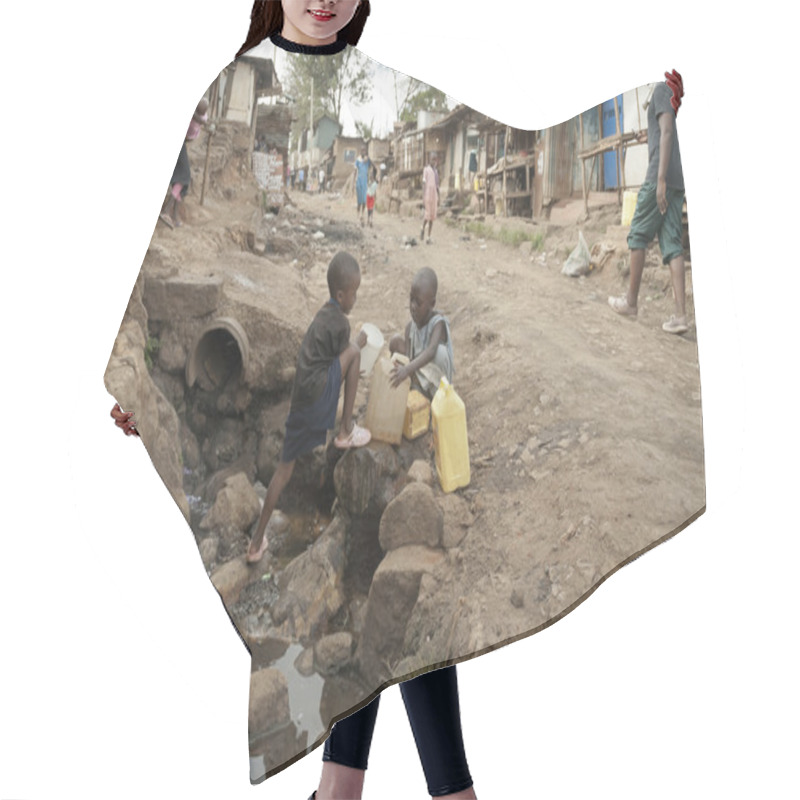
[(427, 277), (266, 18), (342, 270)]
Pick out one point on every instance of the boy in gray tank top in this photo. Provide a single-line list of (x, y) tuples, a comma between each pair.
[(427, 341)]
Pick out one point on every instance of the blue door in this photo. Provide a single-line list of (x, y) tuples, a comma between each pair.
[(610, 129)]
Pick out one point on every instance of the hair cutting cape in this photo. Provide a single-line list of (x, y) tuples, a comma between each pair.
[(584, 427)]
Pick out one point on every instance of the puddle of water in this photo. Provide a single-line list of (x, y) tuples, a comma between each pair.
[(305, 694), (304, 530)]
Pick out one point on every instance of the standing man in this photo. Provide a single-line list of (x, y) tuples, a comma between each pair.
[(659, 209)]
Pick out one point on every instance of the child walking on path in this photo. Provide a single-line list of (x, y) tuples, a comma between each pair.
[(659, 209), (327, 358), (372, 193), (362, 168), (427, 341), (430, 195)]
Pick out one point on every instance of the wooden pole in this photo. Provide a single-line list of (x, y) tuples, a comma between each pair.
[(505, 171), (583, 169), (212, 116), (600, 123), (619, 151), (205, 168), (638, 109)]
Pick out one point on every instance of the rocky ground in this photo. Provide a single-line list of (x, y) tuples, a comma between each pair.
[(585, 431)]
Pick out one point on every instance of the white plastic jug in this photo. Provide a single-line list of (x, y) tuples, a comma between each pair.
[(373, 347), (386, 406)]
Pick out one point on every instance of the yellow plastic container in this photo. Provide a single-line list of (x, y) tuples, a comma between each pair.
[(628, 206), (386, 406), (418, 415), (449, 417)]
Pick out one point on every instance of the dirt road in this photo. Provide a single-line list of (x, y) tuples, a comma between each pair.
[(585, 428)]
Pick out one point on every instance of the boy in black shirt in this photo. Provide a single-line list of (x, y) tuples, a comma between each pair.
[(327, 359)]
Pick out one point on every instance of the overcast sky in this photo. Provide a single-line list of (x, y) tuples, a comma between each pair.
[(381, 111)]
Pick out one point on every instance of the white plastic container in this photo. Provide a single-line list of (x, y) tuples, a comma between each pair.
[(373, 347), (386, 406)]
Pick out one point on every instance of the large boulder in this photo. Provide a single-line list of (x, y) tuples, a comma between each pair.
[(232, 577), (457, 518), (236, 507), (182, 295), (333, 652), (127, 378), (339, 694), (269, 701), (172, 352), (413, 517), (392, 597), (311, 590), (366, 479), (272, 734)]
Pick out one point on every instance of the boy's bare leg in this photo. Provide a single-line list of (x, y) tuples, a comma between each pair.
[(677, 270), (637, 268), (278, 483), (350, 360), (466, 794)]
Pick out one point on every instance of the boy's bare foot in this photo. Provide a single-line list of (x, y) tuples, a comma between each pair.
[(620, 305), (253, 557), (358, 437)]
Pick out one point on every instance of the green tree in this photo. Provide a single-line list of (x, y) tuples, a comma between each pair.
[(336, 78), (419, 97), (366, 129)]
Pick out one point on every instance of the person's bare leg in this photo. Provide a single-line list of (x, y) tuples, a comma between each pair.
[(339, 782), (350, 360), (677, 270), (430, 228), (278, 483), (637, 268)]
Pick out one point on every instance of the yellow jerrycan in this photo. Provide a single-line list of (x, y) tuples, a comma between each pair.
[(450, 437), (386, 406)]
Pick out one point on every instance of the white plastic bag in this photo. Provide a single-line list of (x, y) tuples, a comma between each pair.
[(578, 262)]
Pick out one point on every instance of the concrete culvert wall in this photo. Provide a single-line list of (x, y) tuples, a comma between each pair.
[(220, 355)]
